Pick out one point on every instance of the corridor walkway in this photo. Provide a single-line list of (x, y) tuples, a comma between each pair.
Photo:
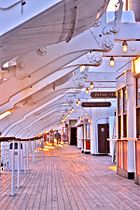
[(63, 178)]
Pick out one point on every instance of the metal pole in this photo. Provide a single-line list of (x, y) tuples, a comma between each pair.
[(27, 152), (25, 166), (13, 169), (18, 172), (33, 150)]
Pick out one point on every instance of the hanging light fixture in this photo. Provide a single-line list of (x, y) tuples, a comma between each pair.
[(78, 102), (87, 90), (81, 118), (72, 109), (124, 46), (136, 66), (82, 68), (91, 85), (112, 61)]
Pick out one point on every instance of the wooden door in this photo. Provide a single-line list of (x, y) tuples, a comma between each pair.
[(73, 137), (103, 134)]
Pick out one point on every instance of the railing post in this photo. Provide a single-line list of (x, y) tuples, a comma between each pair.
[(33, 150), (27, 152), (25, 164), (13, 169), (18, 170)]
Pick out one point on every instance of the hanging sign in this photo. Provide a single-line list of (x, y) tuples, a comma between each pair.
[(96, 104), (103, 94)]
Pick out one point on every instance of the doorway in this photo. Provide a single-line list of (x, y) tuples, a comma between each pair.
[(73, 136), (103, 134)]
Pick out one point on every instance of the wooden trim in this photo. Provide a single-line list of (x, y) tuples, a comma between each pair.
[(126, 174)]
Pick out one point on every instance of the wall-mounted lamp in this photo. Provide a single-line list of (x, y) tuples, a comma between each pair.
[(112, 61), (124, 46), (91, 85), (89, 121)]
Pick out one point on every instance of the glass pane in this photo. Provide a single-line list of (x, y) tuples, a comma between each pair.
[(124, 100), (138, 92), (120, 102)]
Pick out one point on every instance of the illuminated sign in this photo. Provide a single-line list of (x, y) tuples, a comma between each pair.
[(96, 104), (103, 94)]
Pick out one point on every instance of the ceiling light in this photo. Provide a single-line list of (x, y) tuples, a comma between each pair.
[(124, 46), (82, 68), (72, 109), (87, 90), (91, 85), (78, 102), (112, 61)]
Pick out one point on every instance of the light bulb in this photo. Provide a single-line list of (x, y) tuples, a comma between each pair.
[(91, 85), (82, 68), (72, 109), (87, 90), (112, 61), (78, 102), (124, 46)]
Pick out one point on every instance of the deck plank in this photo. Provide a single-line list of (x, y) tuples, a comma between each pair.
[(65, 179)]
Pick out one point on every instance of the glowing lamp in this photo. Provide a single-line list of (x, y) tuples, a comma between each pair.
[(91, 85), (136, 66), (78, 102), (82, 68), (87, 90), (124, 46), (111, 61), (72, 109)]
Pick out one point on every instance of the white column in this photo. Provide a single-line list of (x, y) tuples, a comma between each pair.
[(25, 162), (91, 138), (27, 154), (13, 169), (85, 136), (131, 124), (78, 138), (33, 150), (18, 167)]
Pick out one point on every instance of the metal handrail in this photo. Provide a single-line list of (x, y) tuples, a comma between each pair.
[(13, 5), (11, 138)]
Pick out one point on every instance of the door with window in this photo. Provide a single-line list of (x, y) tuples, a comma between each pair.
[(103, 135)]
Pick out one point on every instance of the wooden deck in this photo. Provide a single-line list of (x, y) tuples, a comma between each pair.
[(63, 178)]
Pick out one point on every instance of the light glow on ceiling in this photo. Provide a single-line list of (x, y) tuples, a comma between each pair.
[(5, 114), (112, 3)]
